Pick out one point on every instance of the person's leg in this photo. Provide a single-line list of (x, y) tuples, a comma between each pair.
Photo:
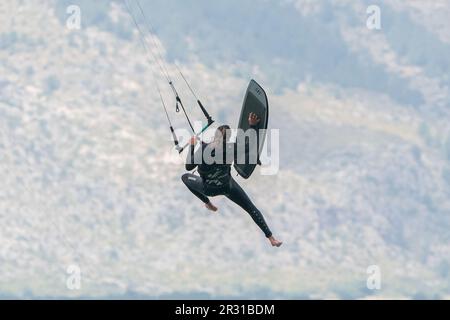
[(238, 196), (195, 185)]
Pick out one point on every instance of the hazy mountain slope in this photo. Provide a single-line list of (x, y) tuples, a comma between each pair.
[(89, 180)]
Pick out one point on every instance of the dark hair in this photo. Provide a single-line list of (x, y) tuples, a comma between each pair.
[(221, 133)]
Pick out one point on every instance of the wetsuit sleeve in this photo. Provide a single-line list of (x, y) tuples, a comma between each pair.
[(192, 155), (247, 144), (190, 162)]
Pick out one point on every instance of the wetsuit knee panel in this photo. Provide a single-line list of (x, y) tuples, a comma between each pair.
[(184, 178)]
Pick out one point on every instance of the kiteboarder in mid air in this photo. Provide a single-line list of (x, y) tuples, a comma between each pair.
[(215, 176)]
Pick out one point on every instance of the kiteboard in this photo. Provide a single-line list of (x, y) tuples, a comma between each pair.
[(255, 101)]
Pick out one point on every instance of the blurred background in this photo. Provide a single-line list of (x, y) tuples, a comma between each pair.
[(89, 179)]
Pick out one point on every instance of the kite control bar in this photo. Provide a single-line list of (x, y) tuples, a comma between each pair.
[(180, 150)]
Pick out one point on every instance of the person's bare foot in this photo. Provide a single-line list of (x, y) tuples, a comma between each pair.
[(211, 207), (274, 242)]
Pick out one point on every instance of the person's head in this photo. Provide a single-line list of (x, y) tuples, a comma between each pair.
[(222, 134)]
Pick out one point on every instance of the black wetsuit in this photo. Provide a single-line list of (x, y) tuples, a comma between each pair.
[(215, 179)]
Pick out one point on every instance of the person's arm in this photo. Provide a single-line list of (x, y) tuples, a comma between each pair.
[(253, 121), (192, 155)]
